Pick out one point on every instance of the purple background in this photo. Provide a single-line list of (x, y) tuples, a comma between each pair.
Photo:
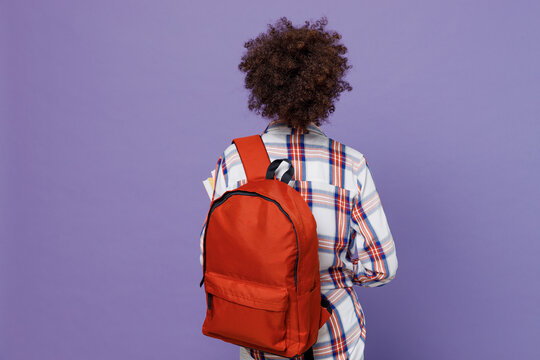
[(114, 111)]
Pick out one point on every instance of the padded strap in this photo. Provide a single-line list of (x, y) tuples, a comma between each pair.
[(254, 157)]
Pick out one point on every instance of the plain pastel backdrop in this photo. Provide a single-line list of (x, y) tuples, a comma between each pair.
[(112, 113)]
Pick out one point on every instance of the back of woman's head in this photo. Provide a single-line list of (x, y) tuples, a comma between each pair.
[(295, 73)]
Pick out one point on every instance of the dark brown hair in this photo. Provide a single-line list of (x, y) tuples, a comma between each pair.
[(295, 74)]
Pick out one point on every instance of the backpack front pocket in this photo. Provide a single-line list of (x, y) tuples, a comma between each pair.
[(246, 313)]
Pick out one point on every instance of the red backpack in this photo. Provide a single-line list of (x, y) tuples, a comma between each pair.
[(261, 262)]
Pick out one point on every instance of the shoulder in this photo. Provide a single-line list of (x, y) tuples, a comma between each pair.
[(231, 165), (355, 158), (230, 151), (230, 155)]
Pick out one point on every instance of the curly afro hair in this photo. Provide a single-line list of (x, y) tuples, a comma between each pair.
[(295, 74)]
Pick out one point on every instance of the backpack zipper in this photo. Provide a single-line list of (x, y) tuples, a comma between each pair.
[(248, 193)]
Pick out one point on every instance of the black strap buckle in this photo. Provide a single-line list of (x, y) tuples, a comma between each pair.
[(326, 304), (308, 355)]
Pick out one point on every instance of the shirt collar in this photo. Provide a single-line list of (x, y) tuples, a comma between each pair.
[(277, 126)]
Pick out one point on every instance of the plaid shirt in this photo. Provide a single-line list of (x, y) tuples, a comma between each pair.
[(355, 243)]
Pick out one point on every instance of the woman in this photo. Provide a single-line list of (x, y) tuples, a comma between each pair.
[(295, 75)]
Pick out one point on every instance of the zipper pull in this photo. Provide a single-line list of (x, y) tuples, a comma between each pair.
[(209, 301), (202, 281)]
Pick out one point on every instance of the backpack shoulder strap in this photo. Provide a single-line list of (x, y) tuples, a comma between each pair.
[(254, 157)]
